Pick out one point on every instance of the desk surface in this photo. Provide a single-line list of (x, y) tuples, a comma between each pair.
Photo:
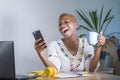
[(98, 76)]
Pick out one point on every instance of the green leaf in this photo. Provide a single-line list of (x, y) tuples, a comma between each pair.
[(82, 35), (86, 28), (85, 18), (106, 25), (94, 20), (106, 20), (100, 19), (79, 27)]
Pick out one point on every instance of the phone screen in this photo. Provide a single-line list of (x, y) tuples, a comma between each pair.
[(37, 34)]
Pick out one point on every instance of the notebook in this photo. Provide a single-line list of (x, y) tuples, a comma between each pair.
[(7, 62)]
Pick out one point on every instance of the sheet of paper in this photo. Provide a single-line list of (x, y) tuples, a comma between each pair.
[(65, 75), (72, 74)]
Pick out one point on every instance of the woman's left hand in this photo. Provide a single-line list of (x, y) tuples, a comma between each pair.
[(101, 40)]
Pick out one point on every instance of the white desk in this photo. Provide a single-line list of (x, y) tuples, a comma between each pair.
[(98, 76)]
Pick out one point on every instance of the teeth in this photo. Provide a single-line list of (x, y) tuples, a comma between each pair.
[(64, 30)]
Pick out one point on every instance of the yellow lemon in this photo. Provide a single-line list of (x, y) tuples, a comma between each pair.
[(36, 73), (49, 72), (54, 71), (40, 73)]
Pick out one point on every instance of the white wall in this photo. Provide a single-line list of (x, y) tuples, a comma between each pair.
[(19, 18)]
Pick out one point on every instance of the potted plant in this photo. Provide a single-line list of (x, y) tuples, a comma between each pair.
[(95, 22)]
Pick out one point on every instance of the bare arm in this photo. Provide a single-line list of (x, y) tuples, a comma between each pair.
[(96, 57), (40, 46)]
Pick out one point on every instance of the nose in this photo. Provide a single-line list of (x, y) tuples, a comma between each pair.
[(61, 26)]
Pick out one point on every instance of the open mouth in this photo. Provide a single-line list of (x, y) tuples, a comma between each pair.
[(65, 30)]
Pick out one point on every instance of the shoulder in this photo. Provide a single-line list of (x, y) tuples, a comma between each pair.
[(53, 43), (53, 47)]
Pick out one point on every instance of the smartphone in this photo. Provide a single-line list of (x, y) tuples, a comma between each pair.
[(37, 34)]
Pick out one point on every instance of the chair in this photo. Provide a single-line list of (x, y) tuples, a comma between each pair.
[(108, 56), (117, 68)]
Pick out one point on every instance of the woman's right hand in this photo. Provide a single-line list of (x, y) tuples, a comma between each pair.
[(40, 45)]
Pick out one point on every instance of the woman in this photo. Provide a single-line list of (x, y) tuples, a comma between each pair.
[(70, 53)]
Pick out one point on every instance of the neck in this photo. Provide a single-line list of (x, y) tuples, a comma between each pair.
[(70, 40), (72, 44)]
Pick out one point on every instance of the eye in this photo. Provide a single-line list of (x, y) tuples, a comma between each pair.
[(66, 22), (60, 24)]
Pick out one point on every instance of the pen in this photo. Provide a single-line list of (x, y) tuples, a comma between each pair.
[(82, 74), (79, 74)]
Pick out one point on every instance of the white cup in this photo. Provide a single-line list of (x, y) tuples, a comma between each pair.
[(92, 38)]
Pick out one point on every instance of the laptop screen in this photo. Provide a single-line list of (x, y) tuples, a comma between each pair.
[(7, 64)]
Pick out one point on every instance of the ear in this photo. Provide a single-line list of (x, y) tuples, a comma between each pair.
[(76, 25)]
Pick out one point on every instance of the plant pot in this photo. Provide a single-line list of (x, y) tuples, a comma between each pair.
[(92, 38), (118, 52)]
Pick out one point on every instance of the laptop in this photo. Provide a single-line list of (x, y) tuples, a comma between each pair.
[(7, 62)]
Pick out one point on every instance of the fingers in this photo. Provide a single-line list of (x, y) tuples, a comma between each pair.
[(37, 41), (101, 33), (101, 40), (40, 45)]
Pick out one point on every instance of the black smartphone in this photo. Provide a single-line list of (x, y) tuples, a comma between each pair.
[(37, 34)]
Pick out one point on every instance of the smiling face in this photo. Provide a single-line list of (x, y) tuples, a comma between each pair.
[(67, 25)]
